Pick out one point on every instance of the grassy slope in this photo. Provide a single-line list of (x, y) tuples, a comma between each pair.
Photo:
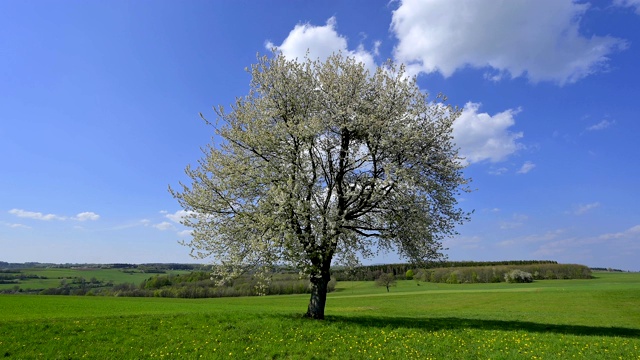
[(546, 319), (117, 276)]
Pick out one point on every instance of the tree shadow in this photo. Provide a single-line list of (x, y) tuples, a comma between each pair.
[(452, 323)]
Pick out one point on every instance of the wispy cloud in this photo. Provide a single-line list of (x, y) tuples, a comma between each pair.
[(83, 216), (534, 238), (585, 208), (498, 171), (605, 247), (629, 3), (165, 225), (516, 221), (16, 226), (88, 215), (463, 242), (526, 167), (629, 233), (601, 125), (35, 215)]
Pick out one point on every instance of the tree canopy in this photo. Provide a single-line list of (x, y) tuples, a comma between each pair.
[(324, 161)]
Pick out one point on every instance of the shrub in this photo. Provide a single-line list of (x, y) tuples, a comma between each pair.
[(454, 277), (518, 276), (409, 274)]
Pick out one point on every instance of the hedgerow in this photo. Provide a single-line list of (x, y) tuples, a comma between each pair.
[(199, 285), (495, 274), (372, 272)]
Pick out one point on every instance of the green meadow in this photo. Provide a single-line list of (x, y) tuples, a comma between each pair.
[(51, 277), (546, 319)]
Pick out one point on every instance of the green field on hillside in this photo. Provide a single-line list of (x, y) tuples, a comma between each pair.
[(51, 277), (549, 319)]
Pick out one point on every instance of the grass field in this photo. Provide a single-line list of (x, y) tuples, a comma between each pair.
[(551, 319), (55, 275)]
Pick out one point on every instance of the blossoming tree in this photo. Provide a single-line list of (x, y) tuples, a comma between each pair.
[(324, 162)]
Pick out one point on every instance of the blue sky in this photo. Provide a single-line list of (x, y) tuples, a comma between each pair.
[(99, 104)]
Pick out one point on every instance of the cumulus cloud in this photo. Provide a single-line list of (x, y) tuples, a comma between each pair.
[(320, 42), (536, 39), (601, 125), (35, 215), (88, 215), (526, 167), (481, 136)]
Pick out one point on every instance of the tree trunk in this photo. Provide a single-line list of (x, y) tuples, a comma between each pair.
[(318, 297)]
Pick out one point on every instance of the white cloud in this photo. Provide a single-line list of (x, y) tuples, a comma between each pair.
[(498, 171), (184, 233), (35, 215), (87, 215), (481, 136), (534, 238), (83, 216), (517, 220), (16, 226), (601, 125), (629, 3), (320, 42), (562, 246), (177, 216), (632, 232), (606, 246), (165, 225), (463, 242), (536, 39), (583, 209), (526, 167)]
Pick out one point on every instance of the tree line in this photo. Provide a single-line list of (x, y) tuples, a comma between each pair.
[(503, 273), (372, 272), (197, 284)]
